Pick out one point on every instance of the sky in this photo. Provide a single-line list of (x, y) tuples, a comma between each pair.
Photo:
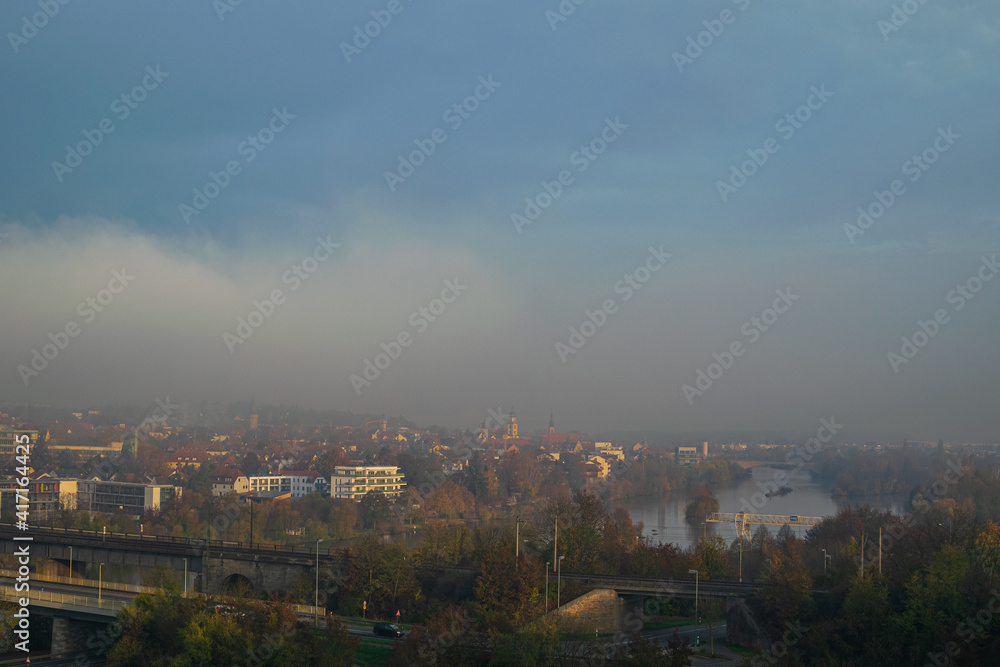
[(590, 202)]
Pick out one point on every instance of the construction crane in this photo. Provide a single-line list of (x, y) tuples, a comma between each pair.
[(743, 521)]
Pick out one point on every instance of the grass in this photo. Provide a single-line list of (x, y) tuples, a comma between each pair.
[(371, 654), (660, 625), (740, 650)]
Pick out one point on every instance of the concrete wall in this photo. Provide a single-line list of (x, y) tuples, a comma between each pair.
[(601, 610)]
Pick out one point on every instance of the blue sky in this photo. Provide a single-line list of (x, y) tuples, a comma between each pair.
[(891, 92)]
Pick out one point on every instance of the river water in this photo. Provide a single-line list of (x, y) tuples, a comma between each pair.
[(664, 516)]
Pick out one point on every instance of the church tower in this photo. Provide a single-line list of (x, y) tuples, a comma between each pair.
[(511, 430), (552, 424)]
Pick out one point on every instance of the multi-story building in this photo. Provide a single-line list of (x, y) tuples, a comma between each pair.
[(48, 496), (686, 456), (304, 482), (609, 451), (296, 482), (11, 437), (353, 482), (602, 464)]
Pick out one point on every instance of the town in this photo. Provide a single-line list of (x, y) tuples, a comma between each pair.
[(449, 546)]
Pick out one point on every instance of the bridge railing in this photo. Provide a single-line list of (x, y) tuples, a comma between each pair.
[(170, 539), (764, 519), (113, 606), (81, 581)]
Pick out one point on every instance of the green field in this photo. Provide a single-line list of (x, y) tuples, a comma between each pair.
[(372, 654)]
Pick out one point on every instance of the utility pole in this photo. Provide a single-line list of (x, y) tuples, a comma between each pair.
[(880, 551), (695, 573), (559, 585), (555, 545), (862, 554), (741, 556), (547, 587), (517, 539)]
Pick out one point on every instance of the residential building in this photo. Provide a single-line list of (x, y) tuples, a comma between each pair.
[(229, 480), (298, 483), (188, 457), (48, 496), (602, 464), (11, 437), (609, 451), (353, 482), (686, 456)]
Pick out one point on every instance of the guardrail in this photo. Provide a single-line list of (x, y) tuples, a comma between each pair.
[(113, 606), (309, 549), (90, 601), (80, 581)]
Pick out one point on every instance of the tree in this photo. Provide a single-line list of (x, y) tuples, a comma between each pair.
[(678, 651), (644, 652), (373, 508), (703, 504), (167, 630), (382, 575), (475, 476)]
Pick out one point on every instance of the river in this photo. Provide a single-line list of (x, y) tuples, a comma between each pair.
[(663, 517)]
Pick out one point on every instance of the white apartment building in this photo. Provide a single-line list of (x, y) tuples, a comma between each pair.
[(297, 482), (609, 451), (353, 482)]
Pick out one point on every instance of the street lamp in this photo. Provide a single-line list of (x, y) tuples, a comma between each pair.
[(100, 578), (71, 563), (317, 579), (695, 573), (185, 576), (547, 563), (559, 584), (826, 557)]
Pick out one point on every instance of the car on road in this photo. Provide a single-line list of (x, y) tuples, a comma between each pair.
[(387, 630)]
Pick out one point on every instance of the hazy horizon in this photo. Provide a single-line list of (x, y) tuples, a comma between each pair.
[(618, 143)]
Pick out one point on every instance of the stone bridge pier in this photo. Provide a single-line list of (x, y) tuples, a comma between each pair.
[(227, 575)]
